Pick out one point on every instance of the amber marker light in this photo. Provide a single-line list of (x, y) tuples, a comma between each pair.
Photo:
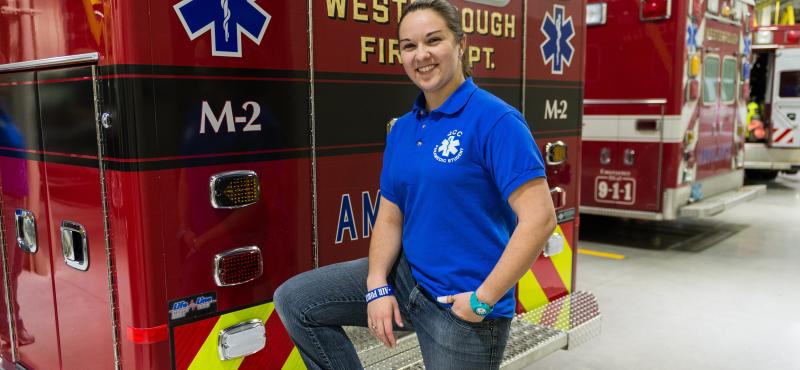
[(694, 65), (235, 189), (556, 152)]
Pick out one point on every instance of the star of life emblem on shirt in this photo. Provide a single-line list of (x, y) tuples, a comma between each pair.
[(450, 149)]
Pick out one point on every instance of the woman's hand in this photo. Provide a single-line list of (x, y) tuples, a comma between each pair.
[(380, 313), (462, 308)]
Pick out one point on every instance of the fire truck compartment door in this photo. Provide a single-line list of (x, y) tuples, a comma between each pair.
[(69, 130), (786, 99)]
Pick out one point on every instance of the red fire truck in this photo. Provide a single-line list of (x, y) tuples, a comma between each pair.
[(662, 135), (167, 165), (773, 141)]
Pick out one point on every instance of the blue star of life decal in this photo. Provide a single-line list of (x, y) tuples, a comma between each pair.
[(227, 20), (691, 38), (557, 49)]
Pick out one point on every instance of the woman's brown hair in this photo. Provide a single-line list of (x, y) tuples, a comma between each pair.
[(451, 17)]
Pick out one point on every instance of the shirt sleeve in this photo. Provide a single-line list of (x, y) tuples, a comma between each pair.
[(387, 182), (511, 155)]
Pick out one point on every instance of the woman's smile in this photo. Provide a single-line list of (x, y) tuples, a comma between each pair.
[(427, 68)]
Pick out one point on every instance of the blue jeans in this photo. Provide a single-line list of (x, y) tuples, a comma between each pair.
[(316, 304)]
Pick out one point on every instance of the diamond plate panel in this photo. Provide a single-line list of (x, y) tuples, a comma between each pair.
[(575, 320)]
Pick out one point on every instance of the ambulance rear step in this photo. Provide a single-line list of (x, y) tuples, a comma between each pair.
[(562, 324), (721, 202), (757, 156)]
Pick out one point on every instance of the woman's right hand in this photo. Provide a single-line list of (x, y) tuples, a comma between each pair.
[(380, 313)]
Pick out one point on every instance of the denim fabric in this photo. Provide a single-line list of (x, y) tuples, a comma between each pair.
[(316, 304)]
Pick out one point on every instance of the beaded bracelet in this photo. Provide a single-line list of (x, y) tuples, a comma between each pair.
[(378, 293)]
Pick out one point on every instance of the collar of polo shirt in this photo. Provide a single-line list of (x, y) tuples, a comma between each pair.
[(454, 102)]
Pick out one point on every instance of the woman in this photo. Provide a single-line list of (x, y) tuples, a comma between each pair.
[(465, 210)]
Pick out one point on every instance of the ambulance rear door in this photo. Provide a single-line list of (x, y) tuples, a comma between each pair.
[(786, 99)]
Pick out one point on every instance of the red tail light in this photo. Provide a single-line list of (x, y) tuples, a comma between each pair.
[(792, 37), (238, 266), (653, 10)]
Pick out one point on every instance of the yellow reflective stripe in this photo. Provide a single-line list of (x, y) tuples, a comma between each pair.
[(562, 322), (294, 361), (208, 356), (530, 293), (563, 261)]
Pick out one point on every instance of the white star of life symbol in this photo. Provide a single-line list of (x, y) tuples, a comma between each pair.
[(449, 146)]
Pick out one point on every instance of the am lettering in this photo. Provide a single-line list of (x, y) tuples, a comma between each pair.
[(348, 224)]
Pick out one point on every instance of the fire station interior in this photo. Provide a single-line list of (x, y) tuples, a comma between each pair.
[(131, 242)]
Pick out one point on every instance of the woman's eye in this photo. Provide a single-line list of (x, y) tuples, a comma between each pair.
[(408, 46), (434, 40)]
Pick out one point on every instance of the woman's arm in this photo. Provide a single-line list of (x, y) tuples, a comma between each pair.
[(384, 247), (536, 220)]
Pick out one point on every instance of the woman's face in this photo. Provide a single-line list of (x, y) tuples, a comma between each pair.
[(429, 51)]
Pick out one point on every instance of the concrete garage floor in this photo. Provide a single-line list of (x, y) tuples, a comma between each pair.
[(713, 293)]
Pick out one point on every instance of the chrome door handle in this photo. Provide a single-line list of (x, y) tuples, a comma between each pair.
[(75, 245), (25, 226)]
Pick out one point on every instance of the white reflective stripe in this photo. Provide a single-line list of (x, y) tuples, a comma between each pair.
[(623, 128)]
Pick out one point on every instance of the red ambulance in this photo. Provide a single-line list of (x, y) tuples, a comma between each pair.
[(773, 138), (663, 131), (166, 165)]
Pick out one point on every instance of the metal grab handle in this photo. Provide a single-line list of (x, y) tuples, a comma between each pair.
[(25, 226), (75, 245)]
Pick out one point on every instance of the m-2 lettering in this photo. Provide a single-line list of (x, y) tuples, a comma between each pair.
[(555, 109), (208, 117)]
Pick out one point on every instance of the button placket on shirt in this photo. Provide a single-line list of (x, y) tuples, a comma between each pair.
[(422, 117)]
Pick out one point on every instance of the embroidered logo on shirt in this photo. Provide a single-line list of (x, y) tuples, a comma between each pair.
[(449, 150)]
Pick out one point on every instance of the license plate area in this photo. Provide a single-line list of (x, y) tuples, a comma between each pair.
[(615, 190)]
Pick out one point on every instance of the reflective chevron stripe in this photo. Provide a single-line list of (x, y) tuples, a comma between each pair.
[(196, 344), (294, 362), (563, 260), (208, 356), (550, 277)]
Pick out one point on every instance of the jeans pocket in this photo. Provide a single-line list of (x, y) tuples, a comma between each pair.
[(481, 325)]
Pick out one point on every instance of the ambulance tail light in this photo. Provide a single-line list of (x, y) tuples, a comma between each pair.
[(694, 90), (764, 37), (596, 14), (238, 266), (655, 10), (792, 37)]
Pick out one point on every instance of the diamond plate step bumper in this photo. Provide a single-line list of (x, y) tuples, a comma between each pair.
[(562, 324), (721, 202)]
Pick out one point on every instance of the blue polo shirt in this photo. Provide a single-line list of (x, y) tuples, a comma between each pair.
[(451, 171)]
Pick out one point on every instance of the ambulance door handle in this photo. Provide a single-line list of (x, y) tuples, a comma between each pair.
[(75, 245), (559, 196), (25, 226)]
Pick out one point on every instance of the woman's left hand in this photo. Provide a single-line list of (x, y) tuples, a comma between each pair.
[(462, 308)]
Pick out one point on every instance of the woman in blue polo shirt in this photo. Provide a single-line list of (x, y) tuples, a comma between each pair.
[(465, 211)]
